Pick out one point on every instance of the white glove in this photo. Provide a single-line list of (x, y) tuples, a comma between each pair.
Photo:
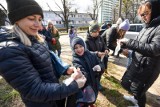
[(96, 68), (123, 40), (81, 81), (118, 47)]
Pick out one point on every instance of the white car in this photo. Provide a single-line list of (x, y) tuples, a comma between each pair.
[(133, 31)]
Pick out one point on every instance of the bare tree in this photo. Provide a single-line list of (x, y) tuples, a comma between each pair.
[(133, 13), (94, 9), (126, 8), (64, 10)]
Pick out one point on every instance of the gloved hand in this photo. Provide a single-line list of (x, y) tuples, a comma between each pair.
[(123, 40), (53, 41), (97, 68), (81, 81)]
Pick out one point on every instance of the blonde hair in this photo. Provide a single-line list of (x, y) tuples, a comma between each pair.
[(145, 6), (54, 30), (24, 38)]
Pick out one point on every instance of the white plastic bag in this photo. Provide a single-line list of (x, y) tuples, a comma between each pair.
[(118, 47)]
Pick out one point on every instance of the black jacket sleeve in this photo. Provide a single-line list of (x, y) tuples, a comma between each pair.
[(147, 49)]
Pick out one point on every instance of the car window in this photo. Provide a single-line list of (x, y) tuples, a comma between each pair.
[(132, 29), (139, 28)]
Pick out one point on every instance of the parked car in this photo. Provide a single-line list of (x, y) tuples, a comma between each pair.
[(133, 31)]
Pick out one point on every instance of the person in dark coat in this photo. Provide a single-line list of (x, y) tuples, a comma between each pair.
[(56, 45), (25, 62), (89, 64), (112, 34), (47, 36), (96, 44), (145, 66)]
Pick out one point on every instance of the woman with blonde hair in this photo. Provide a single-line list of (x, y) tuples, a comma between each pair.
[(25, 61), (55, 34)]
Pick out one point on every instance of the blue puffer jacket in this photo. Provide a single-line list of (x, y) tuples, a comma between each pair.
[(28, 69)]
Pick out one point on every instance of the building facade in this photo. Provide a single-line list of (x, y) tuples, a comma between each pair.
[(106, 10), (75, 19)]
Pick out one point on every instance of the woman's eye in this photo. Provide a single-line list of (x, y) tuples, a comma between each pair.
[(40, 20), (31, 18)]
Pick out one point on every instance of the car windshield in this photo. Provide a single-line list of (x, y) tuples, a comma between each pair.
[(132, 28)]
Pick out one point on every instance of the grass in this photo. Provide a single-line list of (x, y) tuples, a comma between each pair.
[(8, 96), (112, 91)]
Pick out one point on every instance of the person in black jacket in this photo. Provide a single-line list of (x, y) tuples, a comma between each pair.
[(145, 66), (47, 36), (25, 62), (96, 44)]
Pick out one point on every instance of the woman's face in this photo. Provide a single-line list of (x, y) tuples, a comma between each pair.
[(50, 25), (145, 14), (79, 49), (30, 24)]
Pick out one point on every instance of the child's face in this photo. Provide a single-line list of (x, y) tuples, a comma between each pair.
[(95, 34), (79, 49)]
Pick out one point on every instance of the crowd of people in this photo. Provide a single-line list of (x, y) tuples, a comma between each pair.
[(29, 45)]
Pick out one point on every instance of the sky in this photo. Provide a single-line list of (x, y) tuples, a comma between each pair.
[(82, 5)]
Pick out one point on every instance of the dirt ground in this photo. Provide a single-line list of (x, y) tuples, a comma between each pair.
[(152, 93)]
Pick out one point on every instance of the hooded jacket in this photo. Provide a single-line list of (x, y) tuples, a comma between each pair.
[(86, 62), (95, 44), (28, 69), (145, 66)]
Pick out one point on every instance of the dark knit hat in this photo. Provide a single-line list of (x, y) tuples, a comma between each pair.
[(18, 9), (77, 40), (93, 26)]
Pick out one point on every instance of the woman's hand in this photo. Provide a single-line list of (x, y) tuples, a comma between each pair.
[(70, 70), (125, 52), (77, 74), (100, 54)]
